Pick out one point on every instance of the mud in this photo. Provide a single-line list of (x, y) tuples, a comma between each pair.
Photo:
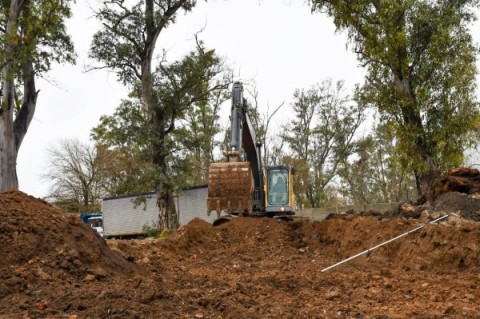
[(53, 266)]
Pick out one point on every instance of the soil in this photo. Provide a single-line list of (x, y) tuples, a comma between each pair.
[(54, 266)]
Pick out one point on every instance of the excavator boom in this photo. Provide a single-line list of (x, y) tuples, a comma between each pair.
[(238, 187)]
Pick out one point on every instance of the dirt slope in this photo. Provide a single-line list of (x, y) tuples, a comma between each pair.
[(41, 244), (248, 268)]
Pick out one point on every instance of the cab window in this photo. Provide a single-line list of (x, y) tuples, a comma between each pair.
[(278, 187)]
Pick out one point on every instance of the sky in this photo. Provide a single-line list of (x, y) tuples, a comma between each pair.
[(279, 44)]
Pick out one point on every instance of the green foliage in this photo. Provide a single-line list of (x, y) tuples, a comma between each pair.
[(39, 36), (124, 136), (189, 92), (374, 175), (151, 230), (420, 62), (164, 234), (320, 137), (155, 232)]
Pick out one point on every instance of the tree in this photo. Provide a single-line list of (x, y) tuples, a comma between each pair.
[(261, 123), (375, 175), (76, 174), (32, 37), (191, 144), (420, 63), (197, 137), (321, 136), (126, 45), (185, 92), (124, 137)]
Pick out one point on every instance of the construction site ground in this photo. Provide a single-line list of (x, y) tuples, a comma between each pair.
[(54, 266)]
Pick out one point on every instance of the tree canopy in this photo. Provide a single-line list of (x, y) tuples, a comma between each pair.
[(321, 137), (190, 91), (420, 62), (126, 45)]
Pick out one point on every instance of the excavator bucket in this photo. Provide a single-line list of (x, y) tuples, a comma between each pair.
[(230, 188)]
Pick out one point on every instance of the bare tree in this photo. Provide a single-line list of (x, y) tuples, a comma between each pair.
[(75, 173), (262, 122)]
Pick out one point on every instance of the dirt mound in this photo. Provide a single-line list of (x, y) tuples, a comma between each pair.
[(461, 204), (462, 179), (262, 268), (41, 244), (450, 246), (467, 206), (247, 268)]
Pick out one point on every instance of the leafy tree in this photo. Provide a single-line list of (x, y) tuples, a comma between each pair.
[(76, 174), (124, 136), (32, 37), (420, 63), (190, 92), (375, 175), (321, 136), (126, 45), (196, 137)]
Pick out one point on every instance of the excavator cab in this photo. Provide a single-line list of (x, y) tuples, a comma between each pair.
[(279, 190)]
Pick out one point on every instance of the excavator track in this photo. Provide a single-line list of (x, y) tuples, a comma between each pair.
[(230, 188)]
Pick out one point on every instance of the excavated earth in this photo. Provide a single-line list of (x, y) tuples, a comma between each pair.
[(53, 266)]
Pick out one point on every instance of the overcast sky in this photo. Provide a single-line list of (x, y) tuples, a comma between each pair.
[(278, 43)]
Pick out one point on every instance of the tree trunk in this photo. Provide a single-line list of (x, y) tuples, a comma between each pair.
[(412, 122), (165, 200), (8, 154), (13, 131), (8, 150), (165, 203), (157, 116)]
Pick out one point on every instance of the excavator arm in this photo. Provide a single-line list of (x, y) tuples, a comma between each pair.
[(237, 186)]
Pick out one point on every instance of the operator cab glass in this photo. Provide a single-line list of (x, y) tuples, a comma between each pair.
[(278, 186)]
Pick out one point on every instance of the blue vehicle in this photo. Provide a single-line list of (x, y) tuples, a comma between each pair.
[(95, 220)]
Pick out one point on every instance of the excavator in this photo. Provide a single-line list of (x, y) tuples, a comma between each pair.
[(240, 186)]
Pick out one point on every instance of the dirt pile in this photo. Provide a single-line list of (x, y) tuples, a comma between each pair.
[(247, 268), (459, 204), (450, 246), (462, 179), (41, 245)]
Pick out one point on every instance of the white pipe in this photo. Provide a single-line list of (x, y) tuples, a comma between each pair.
[(384, 243)]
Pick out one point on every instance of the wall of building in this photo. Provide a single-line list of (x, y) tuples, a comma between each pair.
[(192, 203), (128, 214)]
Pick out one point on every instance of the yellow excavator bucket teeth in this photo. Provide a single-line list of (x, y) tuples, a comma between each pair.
[(230, 187)]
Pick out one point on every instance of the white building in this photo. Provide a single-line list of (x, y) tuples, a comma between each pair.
[(127, 215)]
